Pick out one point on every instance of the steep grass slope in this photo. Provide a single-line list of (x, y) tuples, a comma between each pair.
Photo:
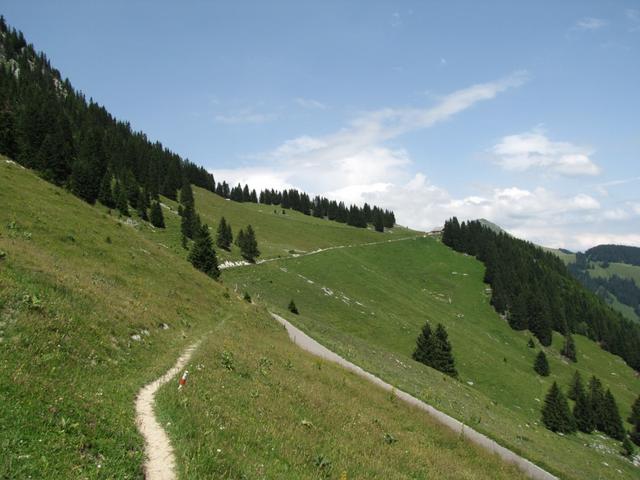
[(368, 303), (92, 308)]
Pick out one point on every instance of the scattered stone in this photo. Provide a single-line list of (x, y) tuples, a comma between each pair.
[(136, 337)]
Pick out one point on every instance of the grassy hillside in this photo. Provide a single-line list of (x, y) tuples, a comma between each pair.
[(370, 305), (93, 307)]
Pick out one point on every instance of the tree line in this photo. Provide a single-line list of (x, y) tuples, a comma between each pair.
[(533, 290), (614, 253), (48, 126)]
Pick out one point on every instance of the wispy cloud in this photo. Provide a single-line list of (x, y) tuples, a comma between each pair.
[(590, 23), (310, 103), (534, 150), (633, 16), (245, 116), (396, 20)]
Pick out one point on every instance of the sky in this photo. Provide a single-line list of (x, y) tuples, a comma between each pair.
[(524, 113)]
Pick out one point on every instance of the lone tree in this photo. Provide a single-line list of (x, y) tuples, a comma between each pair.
[(202, 255), (155, 216), (424, 346), (434, 350), (541, 365), (292, 307), (569, 348), (576, 386), (556, 415), (248, 244), (595, 393), (224, 237)]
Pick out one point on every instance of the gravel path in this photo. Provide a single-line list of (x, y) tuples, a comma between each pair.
[(310, 345), (160, 461)]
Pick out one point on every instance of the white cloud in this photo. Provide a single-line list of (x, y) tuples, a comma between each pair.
[(396, 20), (245, 116), (533, 149), (310, 103), (590, 23)]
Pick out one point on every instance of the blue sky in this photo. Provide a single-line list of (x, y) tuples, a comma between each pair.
[(526, 113)]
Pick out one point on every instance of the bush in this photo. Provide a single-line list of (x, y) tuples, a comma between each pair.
[(292, 307)]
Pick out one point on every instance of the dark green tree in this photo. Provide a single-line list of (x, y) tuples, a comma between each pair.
[(378, 221), (635, 412), (569, 348), (292, 307), (248, 244), (597, 401), (121, 199), (541, 365), (141, 206), (556, 415), (105, 196), (223, 235), (583, 413), (443, 356), (635, 433), (530, 343), (156, 216), (202, 255), (627, 447), (424, 346), (576, 387), (612, 421)]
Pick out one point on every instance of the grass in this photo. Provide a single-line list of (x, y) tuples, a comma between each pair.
[(369, 307), (85, 302)]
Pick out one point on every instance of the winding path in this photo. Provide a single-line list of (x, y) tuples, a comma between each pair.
[(160, 461), (307, 343)]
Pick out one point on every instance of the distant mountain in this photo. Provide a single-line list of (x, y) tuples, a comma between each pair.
[(491, 226), (614, 253)]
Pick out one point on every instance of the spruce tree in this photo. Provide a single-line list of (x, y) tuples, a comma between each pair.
[(292, 307), (223, 239), (635, 412), (569, 348), (249, 245), (156, 216), (612, 421), (576, 387), (424, 346), (541, 365), (627, 447), (121, 199), (229, 235), (105, 196), (202, 255), (597, 401), (378, 221), (141, 206), (635, 433), (443, 358), (583, 413), (556, 415)]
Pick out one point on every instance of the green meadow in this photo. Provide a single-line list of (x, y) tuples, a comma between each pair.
[(94, 306), (368, 303)]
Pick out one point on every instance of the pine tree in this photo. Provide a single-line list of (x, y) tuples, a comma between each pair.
[(424, 346), (249, 245), (141, 206), (188, 223), (635, 412), (576, 387), (541, 365), (583, 413), (569, 348), (105, 196), (612, 421), (378, 221), (556, 415), (202, 255), (223, 235), (443, 358), (597, 401), (292, 307), (121, 199), (156, 216), (627, 447), (635, 433)]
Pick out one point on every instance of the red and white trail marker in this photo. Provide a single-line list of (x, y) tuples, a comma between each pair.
[(183, 379)]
